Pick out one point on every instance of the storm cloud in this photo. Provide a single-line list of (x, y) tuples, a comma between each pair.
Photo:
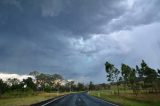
[(75, 37)]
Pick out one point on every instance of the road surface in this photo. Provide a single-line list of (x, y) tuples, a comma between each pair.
[(78, 99)]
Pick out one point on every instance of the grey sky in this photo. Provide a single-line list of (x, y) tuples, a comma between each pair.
[(75, 37)]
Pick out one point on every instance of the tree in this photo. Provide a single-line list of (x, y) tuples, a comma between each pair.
[(47, 88), (80, 87), (44, 80), (91, 86), (56, 76), (70, 85), (13, 81), (140, 73), (15, 84), (149, 74), (110, 71), (34, 73), (125, 72), (112, 74), (129, 76), (29, 82), (3, 87)]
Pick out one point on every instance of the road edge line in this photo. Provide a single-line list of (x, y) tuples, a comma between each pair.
[(53, 100)]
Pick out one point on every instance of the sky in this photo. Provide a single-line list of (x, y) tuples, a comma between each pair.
[(75, 38)]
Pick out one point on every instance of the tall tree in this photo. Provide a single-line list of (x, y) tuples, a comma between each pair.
[(129, 76), (112, 74), (125, 72), (110, 71), (150, 75)]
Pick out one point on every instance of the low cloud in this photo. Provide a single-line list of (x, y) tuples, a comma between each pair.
[(5, 76)]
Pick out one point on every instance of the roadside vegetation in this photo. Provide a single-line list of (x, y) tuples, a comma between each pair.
[(27, 99), (14, 92), (129, 86), (127, 98)]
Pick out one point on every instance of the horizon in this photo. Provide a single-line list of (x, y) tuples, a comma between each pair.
[(76, 38)]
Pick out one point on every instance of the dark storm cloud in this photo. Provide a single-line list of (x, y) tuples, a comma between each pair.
[(70, 37), (77, 17), (141, 12)]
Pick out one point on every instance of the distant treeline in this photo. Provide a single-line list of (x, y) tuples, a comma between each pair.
[(45, 82), (141, 77)]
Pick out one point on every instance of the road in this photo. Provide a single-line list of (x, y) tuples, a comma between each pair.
[(78, 99)]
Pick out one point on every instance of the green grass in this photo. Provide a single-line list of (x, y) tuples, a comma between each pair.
[(27, 100), (128, 99)]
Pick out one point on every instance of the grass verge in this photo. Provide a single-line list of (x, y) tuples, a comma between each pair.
[(128, 99), (27, 100)]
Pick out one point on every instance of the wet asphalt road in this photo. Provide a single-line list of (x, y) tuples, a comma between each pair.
[(79, 99)]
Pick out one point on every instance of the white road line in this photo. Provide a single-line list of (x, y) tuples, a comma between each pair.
[(53, 100), (106, 101)]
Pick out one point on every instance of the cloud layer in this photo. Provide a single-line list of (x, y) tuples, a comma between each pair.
[(6, 76), (75, 38)]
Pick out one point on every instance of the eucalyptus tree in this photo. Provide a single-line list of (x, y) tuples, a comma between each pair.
[(112, 74), (150, 75), (129, 76)]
